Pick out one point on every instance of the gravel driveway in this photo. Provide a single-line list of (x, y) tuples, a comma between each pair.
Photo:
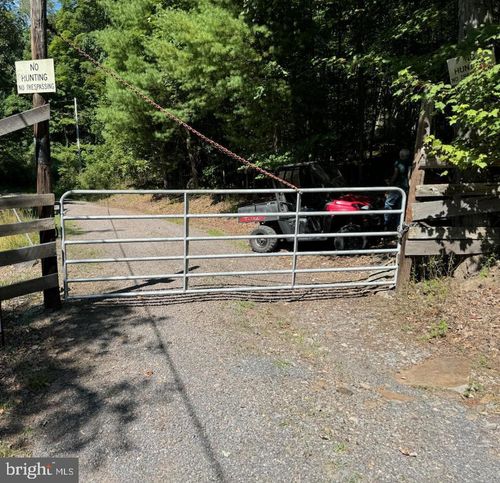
[(221, 388)]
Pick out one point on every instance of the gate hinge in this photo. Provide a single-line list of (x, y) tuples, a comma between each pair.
[(403, 229)]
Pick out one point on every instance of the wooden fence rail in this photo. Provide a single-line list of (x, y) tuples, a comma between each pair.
[(49, 283), (458, 218), (24, 119)]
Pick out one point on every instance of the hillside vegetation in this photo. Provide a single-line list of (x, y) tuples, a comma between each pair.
[(339, 82)]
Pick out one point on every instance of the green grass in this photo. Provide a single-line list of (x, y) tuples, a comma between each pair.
[(6, 451), (436, 287), (483, 362), (175, 221), (215, 232), (244, 305), (472, 389), (70, 227), (243, 244), (407, 328), (282, 364), (39, 380), (20, 240), (438, 330), (5, 407), (340, 447), (36, 378), (489, 263)]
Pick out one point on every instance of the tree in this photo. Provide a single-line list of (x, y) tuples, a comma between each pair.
[(201, 63), (472, 105), (16, 164), (473, 14), (76, 78), (278, 82)]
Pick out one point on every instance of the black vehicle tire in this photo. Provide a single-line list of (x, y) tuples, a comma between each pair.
[(264, 245), (350, 243)]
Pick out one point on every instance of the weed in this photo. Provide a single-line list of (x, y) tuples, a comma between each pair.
[(22, 239), (489, 263), (436, 287), (430, 268), (89, 252), (242, 244), (283, 324), (355, 478), (39, 380), (215, 232), (70, 227), (5, 407), (244, 305), (21, 277), (438, 330), (407, 328), (282, 364), (483, 362), (473, 388), (175, 221), (340, 447), (6, 451)]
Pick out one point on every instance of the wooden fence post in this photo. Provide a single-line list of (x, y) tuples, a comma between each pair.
[(416, 178)]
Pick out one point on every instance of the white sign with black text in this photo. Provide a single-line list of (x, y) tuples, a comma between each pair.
[(35, 76), (460, 67)]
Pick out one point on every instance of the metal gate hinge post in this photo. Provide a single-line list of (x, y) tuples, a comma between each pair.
[(403, 229)]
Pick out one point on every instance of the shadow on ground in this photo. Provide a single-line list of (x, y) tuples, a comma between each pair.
[(48, 387), (43, 362), (53, 373)]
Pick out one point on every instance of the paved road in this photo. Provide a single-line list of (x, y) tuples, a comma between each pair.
[(223, 389)]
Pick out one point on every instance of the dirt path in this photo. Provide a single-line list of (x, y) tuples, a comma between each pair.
[(221, 389)]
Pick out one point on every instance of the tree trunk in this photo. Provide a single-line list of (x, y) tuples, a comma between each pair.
[(192, 153), (472, 14)]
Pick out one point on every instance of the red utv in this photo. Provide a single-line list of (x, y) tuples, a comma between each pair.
[(311, 175)]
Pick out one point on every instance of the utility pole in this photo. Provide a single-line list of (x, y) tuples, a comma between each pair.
[(51, 296)]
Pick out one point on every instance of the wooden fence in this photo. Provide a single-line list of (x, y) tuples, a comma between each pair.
[(458, 218), (49, 282)]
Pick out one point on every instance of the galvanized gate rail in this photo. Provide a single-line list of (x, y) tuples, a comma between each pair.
[(186, 257)]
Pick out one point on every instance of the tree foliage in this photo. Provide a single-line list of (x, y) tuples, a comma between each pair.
[(338, 81), (15, 148), (471, 107)]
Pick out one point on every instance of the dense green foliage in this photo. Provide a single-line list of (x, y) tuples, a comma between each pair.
[(15, 149), (337, 81)]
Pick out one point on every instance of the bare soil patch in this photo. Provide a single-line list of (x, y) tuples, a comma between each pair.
[(459, 321), (438, 372), (197, 204)]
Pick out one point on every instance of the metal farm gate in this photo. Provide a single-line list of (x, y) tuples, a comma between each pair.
[(192, 258)]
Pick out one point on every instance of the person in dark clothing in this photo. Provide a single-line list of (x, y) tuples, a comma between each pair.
[(399, 178)]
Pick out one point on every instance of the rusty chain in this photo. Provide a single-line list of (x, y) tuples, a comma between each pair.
[(111, 72)]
